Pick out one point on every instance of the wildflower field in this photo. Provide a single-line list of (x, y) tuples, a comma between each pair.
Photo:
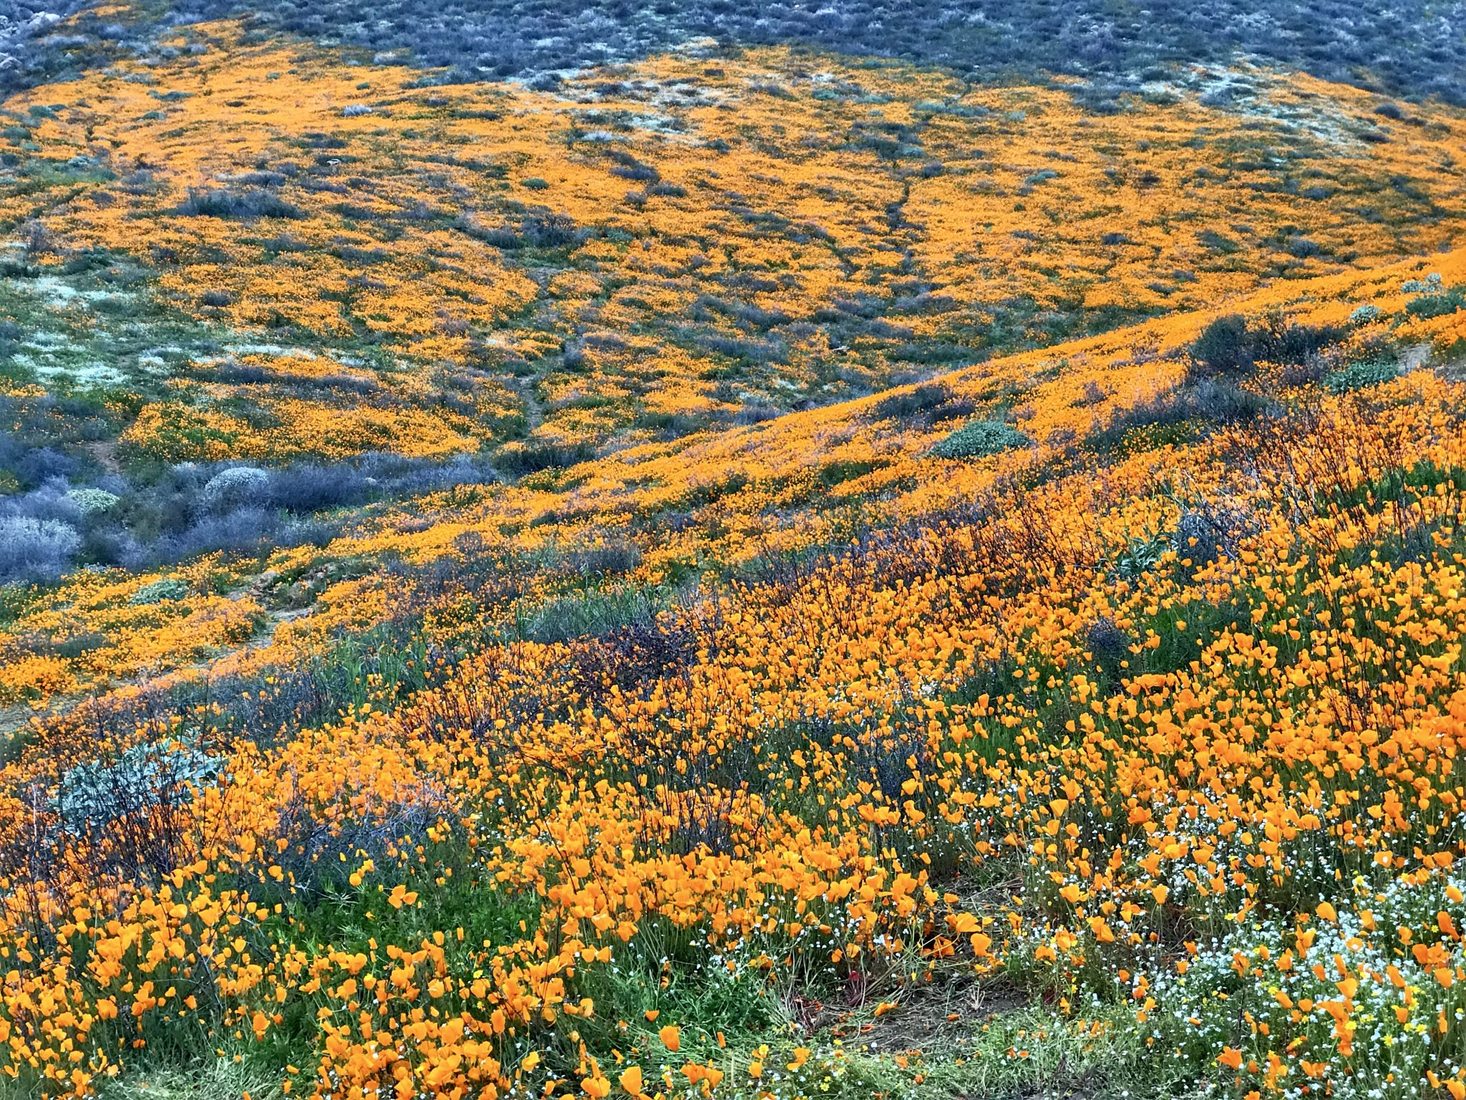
[(743, 572)]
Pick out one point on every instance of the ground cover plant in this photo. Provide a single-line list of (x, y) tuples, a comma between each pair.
[(739, 571)]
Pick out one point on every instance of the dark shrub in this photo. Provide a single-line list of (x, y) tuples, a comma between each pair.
[(610, 559), (313, 532), (314, 845), (1287, 344), (107, 544), (1224, 349), (531, 456), (1182, 412), (313, 488), (42, 464), (52, 501), (1206, 533), (927, 404), (461, 469), (1223, 404), (540, 228), (243, 531), (889, 761), (631, 657), (1107, 641), (244, 204)]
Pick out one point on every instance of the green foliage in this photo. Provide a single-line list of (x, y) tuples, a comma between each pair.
[(92, 796), (218, 1078), (91, 501), (183, 434), (1397, 487), (1362, 375), (168, 588), (837, 473), (980, 438), (1141, 556), (1438, 304), (589, 613), (357, 918), (1205, 1003)]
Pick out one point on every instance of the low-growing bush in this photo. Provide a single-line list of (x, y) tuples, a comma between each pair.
[(540, 228), (980, 438), (1107, 642), (130, 809), (1206, 532), (311, 487), (1180, 413), (1440, 303), (1230, 348), (91, 501), (192, 508), (94, 796), (531, 456), (38, 465), (159, 591), (35, 549), (1288, 343), (1362, 375), (234, 488), (926, 404), (589, 614), (245, 530), (1140, 556), (1224, 349), (51, 501), (245, 204)]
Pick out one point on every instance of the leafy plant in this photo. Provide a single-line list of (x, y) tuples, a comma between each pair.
[(1361, 375), (980, 438)]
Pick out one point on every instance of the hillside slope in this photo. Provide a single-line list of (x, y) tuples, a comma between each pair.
[(867, 555), (1087, 720), (662, 514)]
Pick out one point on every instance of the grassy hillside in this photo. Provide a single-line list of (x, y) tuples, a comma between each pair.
[(751, 573)]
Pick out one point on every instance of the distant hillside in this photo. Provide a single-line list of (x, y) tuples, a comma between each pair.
[(1412, 49)]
